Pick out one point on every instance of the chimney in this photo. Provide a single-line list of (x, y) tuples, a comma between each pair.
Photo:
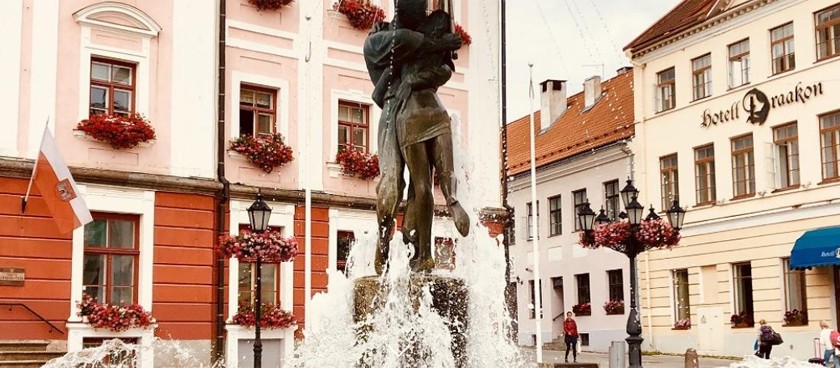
[(591, 91), (623, 69), (552, 102)]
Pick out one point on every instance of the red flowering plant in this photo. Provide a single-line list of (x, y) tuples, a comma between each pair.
[(465, 37), (741, 319), (650, 234), (796, 317), (117, 130), (357, 163), (113, 317), (614, 307), (582, 309), (682, 324), (361, 13), (271, 316), (266, 152), (269, 245), (269, 4)]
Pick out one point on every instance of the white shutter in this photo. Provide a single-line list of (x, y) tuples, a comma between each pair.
[(771, 167)]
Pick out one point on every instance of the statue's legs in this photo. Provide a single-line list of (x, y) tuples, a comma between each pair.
[(389, 190), (444, 166), (418, 160)]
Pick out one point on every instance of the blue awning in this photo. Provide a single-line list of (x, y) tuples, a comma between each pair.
[(819, 247)]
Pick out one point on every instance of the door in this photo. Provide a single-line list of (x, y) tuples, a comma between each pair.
[(709, 330), (558, 307)]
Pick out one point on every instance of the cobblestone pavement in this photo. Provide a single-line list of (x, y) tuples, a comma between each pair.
[(603, 359)]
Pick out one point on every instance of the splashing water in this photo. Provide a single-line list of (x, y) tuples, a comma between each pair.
[(118, 354)]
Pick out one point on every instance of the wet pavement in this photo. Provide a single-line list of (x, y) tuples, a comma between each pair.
[(603, 359)]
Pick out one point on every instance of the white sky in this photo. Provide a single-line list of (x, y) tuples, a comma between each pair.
[(562, 37)]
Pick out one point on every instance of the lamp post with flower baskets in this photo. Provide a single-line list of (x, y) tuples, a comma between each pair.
[(258, 214), (631, 234)]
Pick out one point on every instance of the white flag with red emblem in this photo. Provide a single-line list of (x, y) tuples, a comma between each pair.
[(58, 189)]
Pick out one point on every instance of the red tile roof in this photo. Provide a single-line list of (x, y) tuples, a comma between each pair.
[(609, 120), (685, 15)]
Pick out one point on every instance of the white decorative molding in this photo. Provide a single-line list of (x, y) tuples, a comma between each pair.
[(282, 109), (78, 331), (261, 46), (361, 98), (11, 30), (142, 22), (43, 72), (356, 221), (237, 332)]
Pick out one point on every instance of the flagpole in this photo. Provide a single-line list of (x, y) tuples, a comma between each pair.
[(32, 177), (534, 214)]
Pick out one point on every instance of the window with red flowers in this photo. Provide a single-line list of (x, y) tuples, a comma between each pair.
[(110, 259), (112, 87), (270, 278), (257, 110), (344, 242), (353, 126)]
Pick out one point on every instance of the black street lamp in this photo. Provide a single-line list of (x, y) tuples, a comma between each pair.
[(258, 214), (633, 213)]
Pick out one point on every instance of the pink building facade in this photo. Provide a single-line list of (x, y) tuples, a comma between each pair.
[(297, 71)]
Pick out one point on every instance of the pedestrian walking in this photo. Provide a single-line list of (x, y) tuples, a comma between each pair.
[(766, 339), (827, 345), (570, 336)]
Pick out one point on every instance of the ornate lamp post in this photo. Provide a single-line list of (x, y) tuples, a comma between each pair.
[(258, 214), (631, 246)]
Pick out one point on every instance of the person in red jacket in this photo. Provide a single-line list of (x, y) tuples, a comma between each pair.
[(570, 335)]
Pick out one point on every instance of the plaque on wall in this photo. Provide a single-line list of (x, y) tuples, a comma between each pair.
[(12, 276)]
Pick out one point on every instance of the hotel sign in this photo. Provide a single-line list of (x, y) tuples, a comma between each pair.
[(12, 276), (756, 105)]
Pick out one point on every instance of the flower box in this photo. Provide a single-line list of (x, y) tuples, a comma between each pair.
[(265, 152), (741, 320), (271, 316), (614, 307), (263, 5), (361, 14), (118, 131), (466, 39), (357, 163), (796, 318), (269, 245), (116, 318), (650, 234), (582, 309), (683, 324)]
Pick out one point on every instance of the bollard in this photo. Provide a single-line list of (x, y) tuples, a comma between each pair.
[(691, 359), (617, 355)]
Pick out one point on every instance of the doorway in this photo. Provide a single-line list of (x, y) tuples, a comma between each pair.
[(558, 307)]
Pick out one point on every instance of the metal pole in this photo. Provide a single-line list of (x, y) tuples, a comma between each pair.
[(258, 307), (634, 325), (534, 228)]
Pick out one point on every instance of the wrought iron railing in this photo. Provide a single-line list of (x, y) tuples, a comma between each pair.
[(34, 313)]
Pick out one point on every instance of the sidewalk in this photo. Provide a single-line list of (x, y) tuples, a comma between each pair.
[(603, 359)]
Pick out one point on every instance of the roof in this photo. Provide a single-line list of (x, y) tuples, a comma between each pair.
[(608, 121), (686, 14)]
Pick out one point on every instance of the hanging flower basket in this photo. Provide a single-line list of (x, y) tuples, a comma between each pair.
[(269, 245), (650, 234), (683, 324), (113, 317), (271, 316), (796, 318), (357, 163), (582, 309), (117, 130), (465, 37), (267, 153), (263, 5), (361, 14), (614, 307)]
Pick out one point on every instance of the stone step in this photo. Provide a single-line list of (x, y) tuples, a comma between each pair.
[(22, 363), (14, 345), (29, 355)]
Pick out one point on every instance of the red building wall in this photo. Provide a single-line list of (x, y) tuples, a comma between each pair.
[(320, 258)]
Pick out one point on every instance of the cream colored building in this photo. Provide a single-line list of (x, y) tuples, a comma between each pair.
[(738, 115)]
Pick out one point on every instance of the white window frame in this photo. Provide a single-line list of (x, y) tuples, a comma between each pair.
[(374, 113), (281, 87), (361, 223)]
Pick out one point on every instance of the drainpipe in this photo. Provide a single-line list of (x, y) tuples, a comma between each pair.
[(223, 196)]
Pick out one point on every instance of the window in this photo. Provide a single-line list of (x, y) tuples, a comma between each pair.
[(611, 198), (795, 297), (704, 168), (111, 87), (670, 179), (584, 339), (830, 144), (743, 166), (743, 291), (110, 260), (344, 240), (739, 63), (787, 154), (257, 110), (270, 278), (530, 220), (555, 216), (533, 312), (580, 203), (781, 46), (582, 288), (510, 230), (615, 278), (666, 94), (828, 32), (682, 303), (701, 80), (352, 126)]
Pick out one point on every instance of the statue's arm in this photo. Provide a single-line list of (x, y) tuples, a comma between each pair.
[(431, 77)]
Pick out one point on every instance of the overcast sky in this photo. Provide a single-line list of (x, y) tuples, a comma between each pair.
[(569, 39)]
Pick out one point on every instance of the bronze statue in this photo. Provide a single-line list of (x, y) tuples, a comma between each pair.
[(408, 60)]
